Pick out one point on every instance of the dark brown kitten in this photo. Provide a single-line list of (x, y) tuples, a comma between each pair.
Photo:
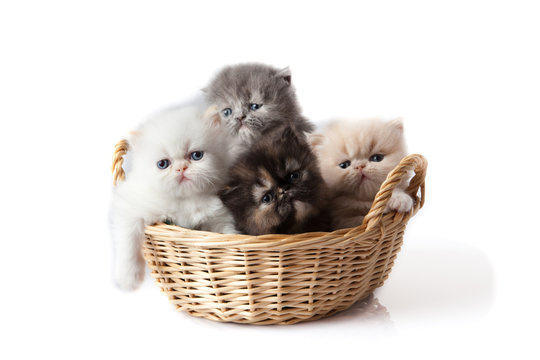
[(277, 187)]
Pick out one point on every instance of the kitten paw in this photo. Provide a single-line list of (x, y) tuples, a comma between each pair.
[(399, 202), (129, 277), (230, 230)]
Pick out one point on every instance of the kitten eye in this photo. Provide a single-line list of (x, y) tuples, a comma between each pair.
[(227, 112), (197, 155), (268, 197), (163, 163), (345, 164), (376, 157), (254, 107), (294, 176)]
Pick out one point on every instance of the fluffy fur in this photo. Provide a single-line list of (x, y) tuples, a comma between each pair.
[(276, 187), (183, 192), (254, 99), (355, 159)]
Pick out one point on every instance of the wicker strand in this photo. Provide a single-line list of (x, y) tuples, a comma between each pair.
[(120, 150)]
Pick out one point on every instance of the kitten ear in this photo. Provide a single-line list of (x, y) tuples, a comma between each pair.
[(396, 124), (285, 74), (133, 139), (227, 192), (212, 116), (315, 139), (288, 135), (395, 130)]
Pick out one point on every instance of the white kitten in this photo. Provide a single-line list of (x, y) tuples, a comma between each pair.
[(179, 160)]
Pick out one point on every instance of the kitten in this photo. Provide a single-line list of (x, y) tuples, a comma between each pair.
[(276, 187), (355, 159), (254, 99), (178, 163)]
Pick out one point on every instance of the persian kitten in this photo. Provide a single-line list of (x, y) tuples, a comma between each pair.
[(178, 163), (254, 99), (276, 187), (355, 159)]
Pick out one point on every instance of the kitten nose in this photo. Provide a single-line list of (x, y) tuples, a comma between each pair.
[(184, 168), (285, 194), (241, 118), (361, 166)]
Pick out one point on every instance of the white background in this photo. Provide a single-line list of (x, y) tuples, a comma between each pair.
[(76, 76)]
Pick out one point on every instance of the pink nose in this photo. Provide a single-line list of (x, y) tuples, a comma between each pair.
[(360, 166), (183, 169)]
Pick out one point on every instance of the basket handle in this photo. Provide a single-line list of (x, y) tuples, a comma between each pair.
[(120, 150), (415, 162)]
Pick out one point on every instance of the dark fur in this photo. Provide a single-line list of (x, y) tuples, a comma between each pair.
[(264, 169), (238, 86)]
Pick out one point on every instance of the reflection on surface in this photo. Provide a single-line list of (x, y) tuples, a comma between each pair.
[(368, 310), (439, 279)]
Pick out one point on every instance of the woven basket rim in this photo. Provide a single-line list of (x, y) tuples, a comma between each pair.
[(205, 239)]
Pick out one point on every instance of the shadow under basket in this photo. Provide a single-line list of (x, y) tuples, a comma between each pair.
[(279, 279)]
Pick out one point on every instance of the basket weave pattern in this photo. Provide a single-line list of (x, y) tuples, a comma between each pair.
[(279, 279)]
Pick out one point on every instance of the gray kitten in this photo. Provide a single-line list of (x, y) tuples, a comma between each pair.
[(254, 99)]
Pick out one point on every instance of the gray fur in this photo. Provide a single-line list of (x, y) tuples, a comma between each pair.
[(238, 86)]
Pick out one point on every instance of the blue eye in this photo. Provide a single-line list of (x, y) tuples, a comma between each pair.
[(345, 164), (376, 158), (268, 197), (197, 155), (254, 107), (227, 112), (163, 163)]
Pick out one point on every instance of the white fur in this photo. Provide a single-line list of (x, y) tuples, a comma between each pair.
[(400, 201), (149, 195)]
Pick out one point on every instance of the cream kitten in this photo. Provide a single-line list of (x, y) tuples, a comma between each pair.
[(178, 163), (355, 158)]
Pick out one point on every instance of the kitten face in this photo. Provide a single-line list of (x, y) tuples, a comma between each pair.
[(253, 98), (356, 157), (276, 187), (180, 155)]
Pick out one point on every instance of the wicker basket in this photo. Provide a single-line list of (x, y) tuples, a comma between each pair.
[(279, 279)]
